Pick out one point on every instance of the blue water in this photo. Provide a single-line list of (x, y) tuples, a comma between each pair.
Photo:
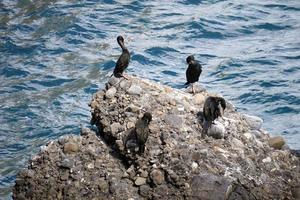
[(56, 54)]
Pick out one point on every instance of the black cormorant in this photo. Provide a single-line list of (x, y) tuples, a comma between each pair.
[(214, 107), (193, 71), (142, 130), (123, 60)]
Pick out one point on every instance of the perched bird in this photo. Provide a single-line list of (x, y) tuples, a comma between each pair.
[(193, 71), (142, 130), (123, 60), (214, 107)]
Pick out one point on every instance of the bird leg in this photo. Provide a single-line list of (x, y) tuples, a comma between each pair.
[(125, 77), (193, 89)]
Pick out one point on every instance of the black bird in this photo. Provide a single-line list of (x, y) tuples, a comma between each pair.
[(193, 71), (214, 107), (123, 60), (142, 130)]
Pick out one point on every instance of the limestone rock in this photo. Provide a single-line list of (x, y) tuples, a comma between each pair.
[(276, 142)]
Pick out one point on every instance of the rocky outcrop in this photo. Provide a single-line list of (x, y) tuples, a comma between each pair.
[(179, 161)]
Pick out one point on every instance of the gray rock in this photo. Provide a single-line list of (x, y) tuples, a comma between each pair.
[(134, 90), (210, 187), (113, 81), (144, 191), (67, 163), (254, 122), (110, 93), (216, 130), (174, 120), (125, 84)]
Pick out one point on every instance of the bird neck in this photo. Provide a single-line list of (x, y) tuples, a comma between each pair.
[(122, 45)]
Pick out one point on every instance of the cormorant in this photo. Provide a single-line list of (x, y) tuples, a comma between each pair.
[(214, 107), (142, 130), (193, 71), (123, 60)]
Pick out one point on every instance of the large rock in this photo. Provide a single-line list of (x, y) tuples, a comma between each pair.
[(276, 142), (179, 161)]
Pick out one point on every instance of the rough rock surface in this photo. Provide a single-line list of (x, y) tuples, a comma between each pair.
[(179, 162)]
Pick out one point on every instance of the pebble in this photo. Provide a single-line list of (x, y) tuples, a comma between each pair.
[(157, 177), (140, 181), (71, 147), (267, 160)]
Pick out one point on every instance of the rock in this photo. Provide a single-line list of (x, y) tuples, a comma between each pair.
[(296, 192), (103, 185), (174, 120), (216, 130), (71, 147), (145, 191), (157, 177), (110, 93), (130, 125), (140, 181), (134, 90), (179, 162), (194, 165), (210, 187), (125, 84), (133, 108), (199, 99), (267, 160), (247, 136), (237, 144), (276, 142), (113, 81), (115, 128), (254, 122), (67, 163)]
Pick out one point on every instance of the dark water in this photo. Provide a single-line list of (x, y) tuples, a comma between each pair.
[(56, 54)]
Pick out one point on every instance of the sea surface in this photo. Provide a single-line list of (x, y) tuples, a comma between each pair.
[(54, 54)]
